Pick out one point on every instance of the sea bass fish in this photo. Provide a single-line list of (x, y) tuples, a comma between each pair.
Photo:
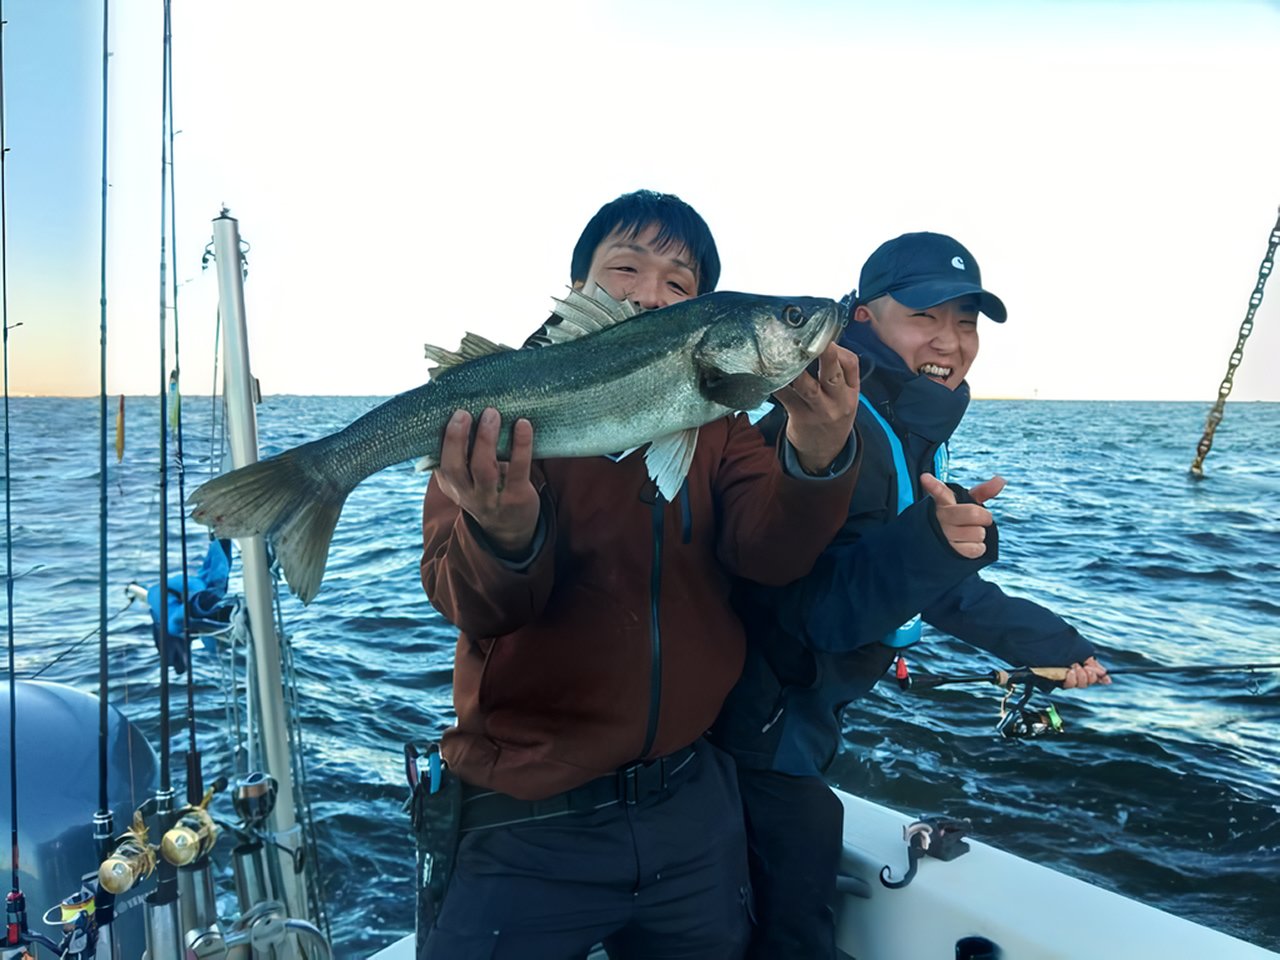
[(602, 385)]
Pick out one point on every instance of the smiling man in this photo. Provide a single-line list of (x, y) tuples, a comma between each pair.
[(597, 641), (921, 295), (909, 551), (631, 256)]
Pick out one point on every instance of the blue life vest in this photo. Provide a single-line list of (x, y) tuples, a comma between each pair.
[(910, 631)]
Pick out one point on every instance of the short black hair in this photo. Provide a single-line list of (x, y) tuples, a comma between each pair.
[(632, 213)]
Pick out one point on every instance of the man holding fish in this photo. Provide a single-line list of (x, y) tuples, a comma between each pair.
[(597, 641)]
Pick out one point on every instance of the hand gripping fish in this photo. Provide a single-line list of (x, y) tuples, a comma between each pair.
[(602, 385)]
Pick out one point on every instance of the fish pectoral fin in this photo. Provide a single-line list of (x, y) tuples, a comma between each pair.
[(584, 312), (737, 391), (669, 458), (472, 346)]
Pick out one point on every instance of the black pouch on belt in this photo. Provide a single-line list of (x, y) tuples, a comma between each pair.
[(435, 811)]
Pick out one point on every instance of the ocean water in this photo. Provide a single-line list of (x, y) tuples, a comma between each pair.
[(1163, 787)]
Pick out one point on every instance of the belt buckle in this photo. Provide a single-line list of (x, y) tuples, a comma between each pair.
[(628, 785), (642, 780)]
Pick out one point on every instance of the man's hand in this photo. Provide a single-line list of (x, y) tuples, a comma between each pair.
[(1085, 674), (963, 524), (497, 494), (820, 411)]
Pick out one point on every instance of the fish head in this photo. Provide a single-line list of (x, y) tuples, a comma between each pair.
[(753, 345)]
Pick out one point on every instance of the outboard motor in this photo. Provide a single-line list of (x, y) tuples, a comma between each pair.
[(57, 764)]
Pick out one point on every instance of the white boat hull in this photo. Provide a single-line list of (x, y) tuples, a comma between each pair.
[(1028, 911)]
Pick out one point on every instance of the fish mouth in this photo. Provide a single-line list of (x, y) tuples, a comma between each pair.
[(832, 323)]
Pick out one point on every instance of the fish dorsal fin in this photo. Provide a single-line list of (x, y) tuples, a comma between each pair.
[(585, 311), (669, 458), (472, 346)]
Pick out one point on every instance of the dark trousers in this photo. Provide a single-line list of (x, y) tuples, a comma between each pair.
[(661, 879), (795, 829)]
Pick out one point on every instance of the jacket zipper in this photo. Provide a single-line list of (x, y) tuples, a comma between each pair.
[(655, 634)]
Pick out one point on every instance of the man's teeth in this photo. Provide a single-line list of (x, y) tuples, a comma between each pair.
[(933, 370)]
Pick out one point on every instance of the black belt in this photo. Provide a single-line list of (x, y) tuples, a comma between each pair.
[(632, 784)]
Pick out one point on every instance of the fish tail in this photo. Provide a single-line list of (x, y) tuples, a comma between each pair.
[(285, 499)]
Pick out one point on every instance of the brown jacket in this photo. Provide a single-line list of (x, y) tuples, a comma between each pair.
[(554, 677)]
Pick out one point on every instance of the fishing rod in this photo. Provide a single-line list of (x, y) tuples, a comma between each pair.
[(134, 856), (85, 916), (98, 911), (164, 922), (17, 934), (188, 843), (1005, 678), (1019, 720)]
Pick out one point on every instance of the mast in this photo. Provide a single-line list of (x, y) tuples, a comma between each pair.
[(267, 690)]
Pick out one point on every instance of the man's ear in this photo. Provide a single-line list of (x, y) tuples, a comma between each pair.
[(579, 284), (862, 314)]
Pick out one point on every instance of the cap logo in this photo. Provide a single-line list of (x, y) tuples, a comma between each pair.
[(957, 262)]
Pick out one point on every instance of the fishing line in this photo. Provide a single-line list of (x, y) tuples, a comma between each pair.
[(16, 931), (1198, 668), (31, 569), (8, 479), (316, 891), (195, 779), (217, 425), (162, 902), (75, 645), (102, 901), (104, 827), (162, 624)]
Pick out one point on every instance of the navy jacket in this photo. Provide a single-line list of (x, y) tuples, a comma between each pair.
[(815, 645)]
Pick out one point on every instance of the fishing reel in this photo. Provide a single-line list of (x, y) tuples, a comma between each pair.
[(75, 916), (254, 798), (1020, 721), (191, 838), (132, 859), (194, 831)]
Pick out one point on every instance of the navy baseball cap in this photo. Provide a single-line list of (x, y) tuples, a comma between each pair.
[(922, 270)]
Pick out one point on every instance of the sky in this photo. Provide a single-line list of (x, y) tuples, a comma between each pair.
[(404, 172)]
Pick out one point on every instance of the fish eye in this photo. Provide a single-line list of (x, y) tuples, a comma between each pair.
[(792, 315)]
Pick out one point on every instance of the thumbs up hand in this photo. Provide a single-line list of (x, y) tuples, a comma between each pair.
[(963, 524)]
